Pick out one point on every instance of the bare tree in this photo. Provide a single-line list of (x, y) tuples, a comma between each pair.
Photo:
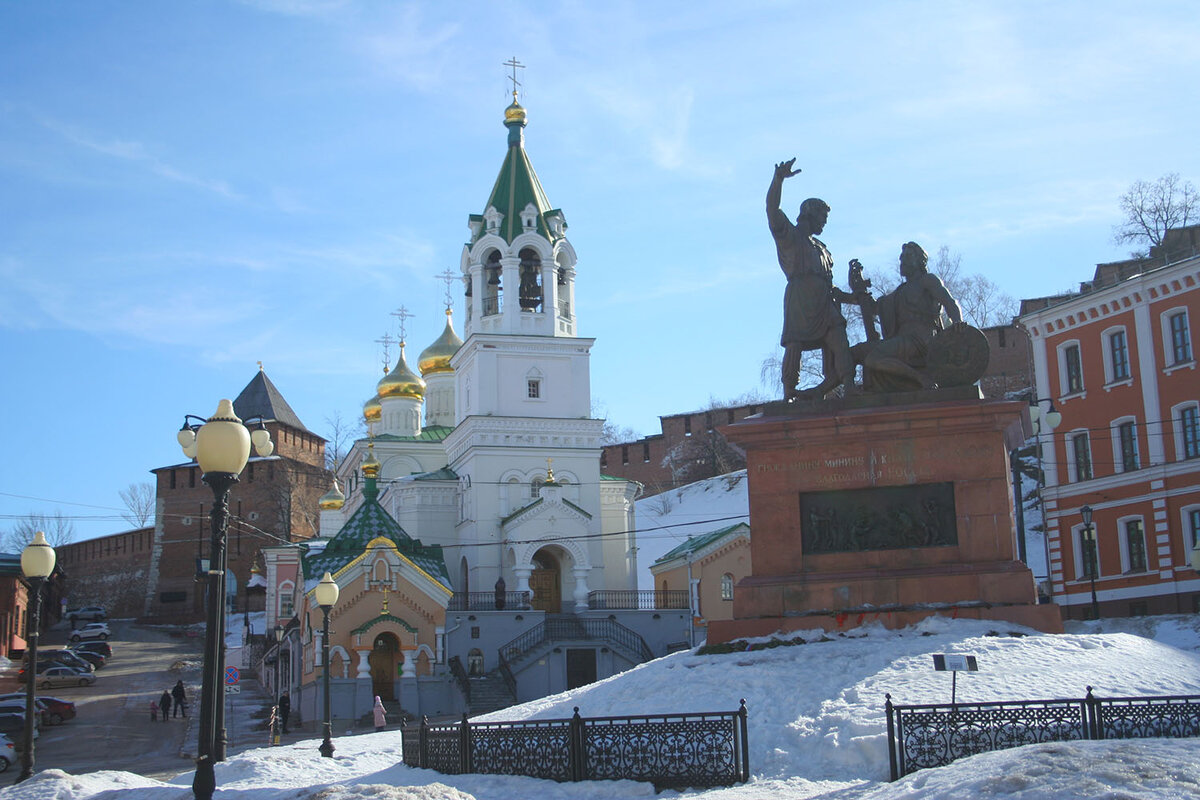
[(58, 529), (708, 453), (983, 303), (139, 502), (1153, 208), (612, 433), (342, 435)]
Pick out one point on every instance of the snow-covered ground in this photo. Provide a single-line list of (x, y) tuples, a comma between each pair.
[(816, 724)]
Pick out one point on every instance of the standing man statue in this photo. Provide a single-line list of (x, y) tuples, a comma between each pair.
[(910, 317), (812, 313)]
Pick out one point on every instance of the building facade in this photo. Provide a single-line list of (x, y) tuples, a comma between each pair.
[(1117, 360)]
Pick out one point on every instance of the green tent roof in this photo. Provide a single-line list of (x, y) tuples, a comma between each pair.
[(699, 542), (369, 522)]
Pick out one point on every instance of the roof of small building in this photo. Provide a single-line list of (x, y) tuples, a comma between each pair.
[(697, 543), (434, 433), (443, 474)]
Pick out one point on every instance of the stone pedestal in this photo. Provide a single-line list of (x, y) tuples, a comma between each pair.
[(882, 508)]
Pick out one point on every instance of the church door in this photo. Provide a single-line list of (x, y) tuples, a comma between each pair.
[(384, 660), (545, 584)]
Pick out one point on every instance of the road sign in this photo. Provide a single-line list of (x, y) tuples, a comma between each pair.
[(231, 676), (232, 688)]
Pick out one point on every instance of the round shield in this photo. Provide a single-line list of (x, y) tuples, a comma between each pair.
[(958, 356)]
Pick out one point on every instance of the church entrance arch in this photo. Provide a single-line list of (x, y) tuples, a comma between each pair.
[(385, 661), (545, 582)]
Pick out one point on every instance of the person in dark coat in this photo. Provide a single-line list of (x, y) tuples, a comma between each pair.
[(285, 708), (164, 705), (179, 694)]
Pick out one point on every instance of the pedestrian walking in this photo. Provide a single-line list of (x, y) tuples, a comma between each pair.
[(285, 708), (380, 714), (179, 694), (164, 705), (153, 711)]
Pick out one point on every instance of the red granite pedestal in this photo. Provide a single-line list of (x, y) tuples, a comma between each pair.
[(869, 442)]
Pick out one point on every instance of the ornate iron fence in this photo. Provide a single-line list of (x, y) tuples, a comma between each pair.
[(935, 735), (673, 751), (486, 601)]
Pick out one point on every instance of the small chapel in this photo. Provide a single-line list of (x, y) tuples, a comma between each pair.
[(481, 556)]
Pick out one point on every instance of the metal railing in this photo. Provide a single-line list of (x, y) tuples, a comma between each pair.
[(491, 306), (506, 672), (637, 599), (460, 677), (486, 601), (567, 628), (672, 751), (934, 735)]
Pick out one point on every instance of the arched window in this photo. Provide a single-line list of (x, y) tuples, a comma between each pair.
[(727, 586)]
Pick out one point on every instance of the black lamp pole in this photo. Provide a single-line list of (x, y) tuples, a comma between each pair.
[(205, 782), (327, 745), (1093, 555), (37, 562), (278, 658)]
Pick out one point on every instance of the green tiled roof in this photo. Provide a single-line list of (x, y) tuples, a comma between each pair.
[(699, 542), (368, 523), (516, 187), (443, 474), (435, 433)]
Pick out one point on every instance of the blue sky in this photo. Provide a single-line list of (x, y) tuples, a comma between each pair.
[(188, 188)]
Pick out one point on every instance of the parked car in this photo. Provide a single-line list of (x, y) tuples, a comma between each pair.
[(95, 646), (60, 675), (87, 614), (8, 753), (95, 659), (68, 657), (13, 726), (54, 710), (93, 630)]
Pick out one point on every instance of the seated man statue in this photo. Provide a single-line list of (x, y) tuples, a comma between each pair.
[(910, 317)]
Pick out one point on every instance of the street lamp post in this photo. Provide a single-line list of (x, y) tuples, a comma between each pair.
[(1091, 555), (37, 562), (326, 595), (221, 446), (278, 658)]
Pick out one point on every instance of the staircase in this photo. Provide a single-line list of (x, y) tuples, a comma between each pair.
[(490, 693)]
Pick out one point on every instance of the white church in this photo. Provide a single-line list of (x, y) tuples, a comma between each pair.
[(488, 453)]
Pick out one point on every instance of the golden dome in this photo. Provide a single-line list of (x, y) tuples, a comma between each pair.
[(370, 464), (514, 113), (373, 410), (401, 381), (332, 500), (436, 357)]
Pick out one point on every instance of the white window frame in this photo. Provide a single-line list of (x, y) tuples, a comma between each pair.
[(727, 586), (1126, 566), (1110, 367), (1168, 340), (1118, 455), (1185, 529), (1064, 385), (288, 589), (534, 377), (1072, 466), (1177, 427)]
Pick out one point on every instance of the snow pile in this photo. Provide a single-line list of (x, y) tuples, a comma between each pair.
[(816, 724)]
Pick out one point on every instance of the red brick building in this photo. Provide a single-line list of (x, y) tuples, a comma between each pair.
[(1117, 359), (274, 502), (109, 571)]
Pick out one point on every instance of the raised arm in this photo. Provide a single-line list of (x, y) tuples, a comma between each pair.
[(783, 170)]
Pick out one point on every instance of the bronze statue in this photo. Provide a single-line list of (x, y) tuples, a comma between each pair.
[(911, 321), (812, 314)]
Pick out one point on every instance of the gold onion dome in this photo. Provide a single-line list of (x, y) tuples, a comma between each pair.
[(370, 464), (401, 381), (514, 113), (373, 410), (332, 500), (436, 357)]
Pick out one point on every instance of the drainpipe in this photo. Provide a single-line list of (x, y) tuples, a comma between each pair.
[(693, 602)]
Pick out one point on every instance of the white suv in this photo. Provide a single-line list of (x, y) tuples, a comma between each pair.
[(87, 614), (93, 630)]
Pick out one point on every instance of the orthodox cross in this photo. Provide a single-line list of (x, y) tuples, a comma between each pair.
[(260, 369), (550, 470), (403, 314), (512, 62), (448, 277), (385, 599), (386, 340)]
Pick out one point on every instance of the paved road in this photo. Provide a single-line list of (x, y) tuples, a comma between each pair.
[(113, 728)]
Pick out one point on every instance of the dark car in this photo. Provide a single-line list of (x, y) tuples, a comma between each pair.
[(94, 646), (13, 725), (67, 657), (95, 659)]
